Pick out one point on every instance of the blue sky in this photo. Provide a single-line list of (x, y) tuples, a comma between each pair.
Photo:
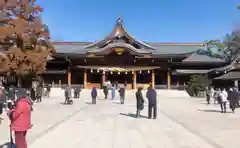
[(146, 20)]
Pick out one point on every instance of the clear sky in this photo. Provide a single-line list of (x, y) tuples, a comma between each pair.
[(146, 20)]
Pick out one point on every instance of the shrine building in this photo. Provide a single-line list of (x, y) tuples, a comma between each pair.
[(121, 58)]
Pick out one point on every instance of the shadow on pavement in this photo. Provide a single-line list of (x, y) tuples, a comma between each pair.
[(132, 115), (62, 103), (89, 103), (116, 102), (211, 110)]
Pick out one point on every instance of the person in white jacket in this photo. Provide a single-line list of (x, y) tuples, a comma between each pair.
[(223, 100)]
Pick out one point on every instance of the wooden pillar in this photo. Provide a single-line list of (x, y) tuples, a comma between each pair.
[(134, 78), (153, 79), (69, 77), (168, 80), (85, 78)]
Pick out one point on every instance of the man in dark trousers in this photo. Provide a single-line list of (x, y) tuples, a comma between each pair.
[(233, 96), (39, 93), (122, 94), (152, 102)]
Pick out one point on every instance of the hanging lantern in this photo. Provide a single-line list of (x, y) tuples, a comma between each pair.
[(126, 72), (111, 72), (91, 71), (119, 73), (132, 72), (148, 71), (140, 71), (98, 71)]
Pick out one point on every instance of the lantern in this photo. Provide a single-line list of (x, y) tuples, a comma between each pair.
[(119, 73), (91, 71), (140, 71), (148, 71), (126, 72)]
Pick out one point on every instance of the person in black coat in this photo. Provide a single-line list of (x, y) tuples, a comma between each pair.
[(105, 91), (39, 93), (77, 92), (140, 102), (33, 94), (94, 95), (233, 96), (122, 94), (152, 102)]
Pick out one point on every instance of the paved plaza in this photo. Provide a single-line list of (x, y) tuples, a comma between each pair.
[(182, 122)]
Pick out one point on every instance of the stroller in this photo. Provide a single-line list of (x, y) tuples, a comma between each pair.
[(68, 96), (69, 101)]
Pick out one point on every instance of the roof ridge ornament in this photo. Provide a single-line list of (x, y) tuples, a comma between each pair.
[(119, 21)]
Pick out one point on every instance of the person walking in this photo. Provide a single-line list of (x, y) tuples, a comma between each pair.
[(1, 102), (67, 94), (208, 94), (105, 90), (216, 96), (233, 96), (48, 90), (140, 102), (39, 94), (94, 95), (122, 94), (152, 102), (223, 100), (20, 118), (113, 91), (33, 94)]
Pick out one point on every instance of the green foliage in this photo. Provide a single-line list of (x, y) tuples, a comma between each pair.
[(229, 49), (197, 83)]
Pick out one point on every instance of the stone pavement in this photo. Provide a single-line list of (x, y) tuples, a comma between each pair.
[(181, 123)]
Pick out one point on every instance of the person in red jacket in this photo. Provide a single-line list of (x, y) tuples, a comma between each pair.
[(20, 118)]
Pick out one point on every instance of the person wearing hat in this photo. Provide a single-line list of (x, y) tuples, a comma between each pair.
[(20, 118)]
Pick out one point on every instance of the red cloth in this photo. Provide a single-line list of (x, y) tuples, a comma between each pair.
[(21, 115), (20, 139)]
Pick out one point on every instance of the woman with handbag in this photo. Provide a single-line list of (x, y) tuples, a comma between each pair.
[(140, 102)]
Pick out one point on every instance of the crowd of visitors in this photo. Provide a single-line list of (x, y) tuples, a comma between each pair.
[(70, 93), (18, 102), (224, 97), (151, 95)]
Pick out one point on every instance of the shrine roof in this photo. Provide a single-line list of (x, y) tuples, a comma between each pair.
[(160, 48), (232, 75), (198, 58), (120, 38)]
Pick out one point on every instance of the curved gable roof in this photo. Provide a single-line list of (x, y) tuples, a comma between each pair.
[(119, 32)]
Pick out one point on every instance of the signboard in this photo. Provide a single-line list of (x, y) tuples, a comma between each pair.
[(91, 55), (119, 51)]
